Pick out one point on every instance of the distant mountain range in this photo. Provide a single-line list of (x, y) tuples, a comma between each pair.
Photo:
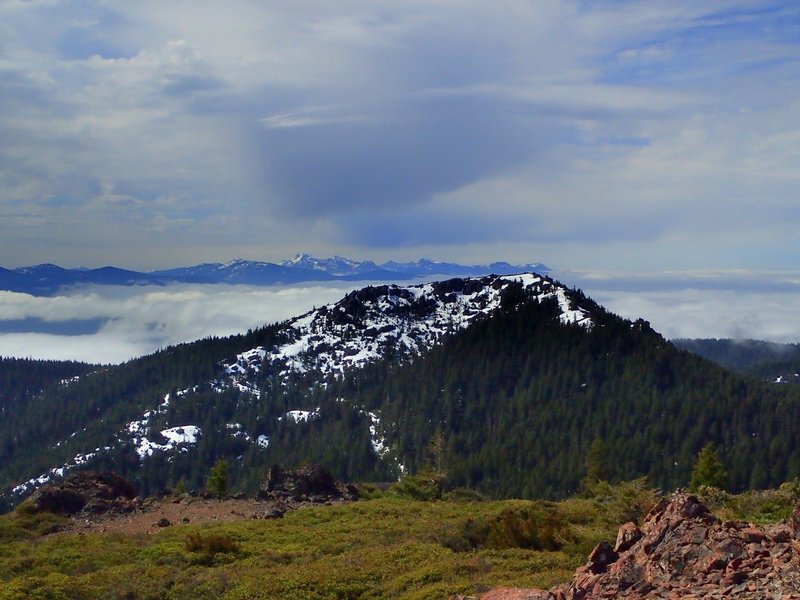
[(48, 279)]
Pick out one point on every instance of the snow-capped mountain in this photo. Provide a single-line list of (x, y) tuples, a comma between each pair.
[(335, 265), (373, 322), (427, 268), (241, 271), (47, 279), (365, 326)]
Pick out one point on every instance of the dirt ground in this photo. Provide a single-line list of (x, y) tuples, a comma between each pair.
[(178, 512)]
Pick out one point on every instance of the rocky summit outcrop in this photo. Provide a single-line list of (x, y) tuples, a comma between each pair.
[(311, 483), (86, 492), (683, 551)]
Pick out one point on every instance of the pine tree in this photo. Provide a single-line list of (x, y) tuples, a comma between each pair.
[(597, 462), (708, 469), (217, 482)]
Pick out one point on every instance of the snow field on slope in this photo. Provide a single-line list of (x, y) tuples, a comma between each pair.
[(322, 343)]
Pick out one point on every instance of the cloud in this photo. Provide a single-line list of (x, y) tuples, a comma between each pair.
[(114, 324), (111, 325), (379, 125), (725, 304), (690, 313)]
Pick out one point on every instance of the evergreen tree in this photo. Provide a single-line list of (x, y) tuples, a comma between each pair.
[(217, 482), (708, 470), (597, 468)]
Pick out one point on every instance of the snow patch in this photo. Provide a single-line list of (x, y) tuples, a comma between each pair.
[(299, 416)]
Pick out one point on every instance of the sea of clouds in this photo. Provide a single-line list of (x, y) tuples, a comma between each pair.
[(112, 324), (109, 324)]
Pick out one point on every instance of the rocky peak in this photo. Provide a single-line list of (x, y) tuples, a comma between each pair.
[(376, 321)]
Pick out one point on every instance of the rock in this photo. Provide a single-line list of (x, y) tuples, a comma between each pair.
[(600, 557), (683, 551), (274, 513), (59, 500), (517, 594), (794, 521), (163, 522), (627, 536), (311, 483), (87, 493)]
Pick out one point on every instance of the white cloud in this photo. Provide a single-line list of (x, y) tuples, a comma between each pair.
[(140, 320), (274, 121), (738, 304), (692, 313)]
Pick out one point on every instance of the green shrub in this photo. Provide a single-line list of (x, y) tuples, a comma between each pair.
[(708, 470), (26, 522), (627, 500), (530, 529), (423, 486), (464, 495), (714, 498), (209, 546)]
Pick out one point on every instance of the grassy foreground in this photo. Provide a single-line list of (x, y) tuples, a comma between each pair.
[(385, 547)]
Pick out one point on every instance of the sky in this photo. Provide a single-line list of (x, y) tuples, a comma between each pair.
[(641, 135), (644, 140)]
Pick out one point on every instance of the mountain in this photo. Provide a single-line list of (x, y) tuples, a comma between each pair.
[(779, 363), (507, 379), (336, 265), (48, 279), (242, 271), (427, 268)]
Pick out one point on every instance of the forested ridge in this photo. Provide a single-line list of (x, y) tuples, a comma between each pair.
[(44, 428), (511, 403), (520, 398), (766, 360)]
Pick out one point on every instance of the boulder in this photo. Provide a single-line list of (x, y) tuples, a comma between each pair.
[(627, 536), (681, 550), (311, 483), (86, 492)]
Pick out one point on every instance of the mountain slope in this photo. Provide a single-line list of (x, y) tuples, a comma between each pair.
[(370, 324), (128, 414), (511, 377), (779, 363)]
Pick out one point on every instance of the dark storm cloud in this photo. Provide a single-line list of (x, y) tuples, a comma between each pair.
[(395, 158), (451, 223)]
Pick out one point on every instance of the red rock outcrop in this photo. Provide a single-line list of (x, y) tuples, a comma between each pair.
[(683, 551)]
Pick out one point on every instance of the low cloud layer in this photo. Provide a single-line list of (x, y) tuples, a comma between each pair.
[(723, 304), (133, 321), (111, 325)]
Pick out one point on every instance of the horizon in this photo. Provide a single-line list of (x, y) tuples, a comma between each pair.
[(251, 260), (111, 324), (645, 152)]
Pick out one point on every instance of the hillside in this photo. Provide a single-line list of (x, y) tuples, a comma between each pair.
[(779, 363), (387, 545), (503, 381)]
